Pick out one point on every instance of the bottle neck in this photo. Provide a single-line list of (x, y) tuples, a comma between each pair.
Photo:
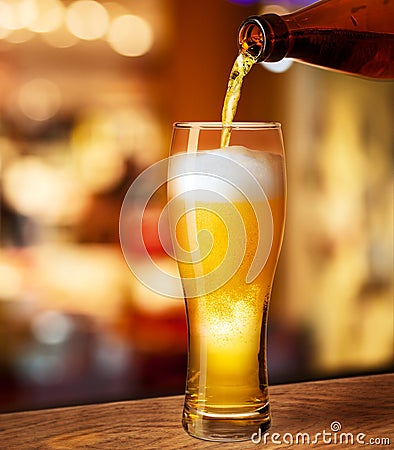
[(265, 37), (342, 35)]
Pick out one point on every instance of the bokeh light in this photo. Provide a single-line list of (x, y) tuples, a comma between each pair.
[(16, 14), (30, 186), (42, 191), (51, 327), (19, 36), (50, 15), (98, 162), (87, 19), (27, 11), (62, 26), (39, 99), (130, 35)]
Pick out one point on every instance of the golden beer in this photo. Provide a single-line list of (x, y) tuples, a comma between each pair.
[(226, 388), (242, 65)]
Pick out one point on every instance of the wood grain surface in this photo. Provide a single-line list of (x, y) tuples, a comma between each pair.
[(362, 407)]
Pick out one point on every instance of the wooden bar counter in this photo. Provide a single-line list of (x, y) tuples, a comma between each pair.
[(341, 413)]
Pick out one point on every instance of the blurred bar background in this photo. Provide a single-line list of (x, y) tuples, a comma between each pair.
[(88, 94)]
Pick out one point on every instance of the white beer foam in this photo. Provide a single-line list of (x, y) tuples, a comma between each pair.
[(221, 172)]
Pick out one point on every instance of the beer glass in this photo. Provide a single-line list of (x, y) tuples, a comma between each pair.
[(226, 208)]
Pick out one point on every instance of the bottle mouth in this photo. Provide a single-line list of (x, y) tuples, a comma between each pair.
[(251, 37)]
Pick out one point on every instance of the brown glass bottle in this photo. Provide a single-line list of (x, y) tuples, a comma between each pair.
[(352, 36)]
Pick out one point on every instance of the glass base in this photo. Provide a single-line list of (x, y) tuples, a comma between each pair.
[(225, 427)]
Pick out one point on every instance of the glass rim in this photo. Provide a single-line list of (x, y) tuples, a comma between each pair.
[(233, 126)]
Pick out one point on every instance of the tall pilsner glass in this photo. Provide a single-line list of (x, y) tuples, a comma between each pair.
[(227, 210)]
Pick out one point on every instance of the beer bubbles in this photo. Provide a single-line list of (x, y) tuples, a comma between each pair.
[(221, 195)]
